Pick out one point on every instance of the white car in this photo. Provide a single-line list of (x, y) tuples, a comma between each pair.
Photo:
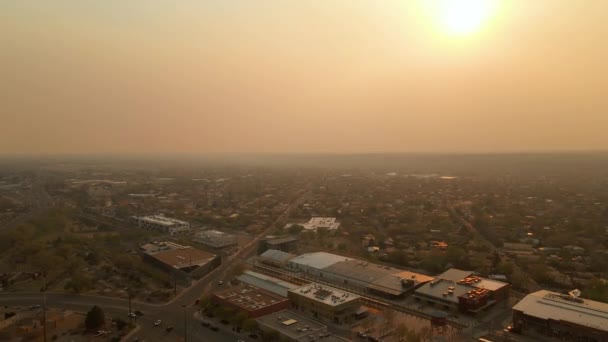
[(157, 323), (220, 282), (132, 314)]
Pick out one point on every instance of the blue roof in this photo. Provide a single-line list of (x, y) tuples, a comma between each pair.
[(271, 284)]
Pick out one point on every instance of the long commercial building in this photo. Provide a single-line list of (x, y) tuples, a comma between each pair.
[(463, 291), (162, 223), (268, 283), (564, 316), (251, 300), (358, 275)]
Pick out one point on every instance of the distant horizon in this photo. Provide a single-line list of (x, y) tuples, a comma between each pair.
[(311, 153)]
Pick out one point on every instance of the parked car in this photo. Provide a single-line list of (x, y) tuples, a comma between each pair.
[(169, 329), (157, 323)]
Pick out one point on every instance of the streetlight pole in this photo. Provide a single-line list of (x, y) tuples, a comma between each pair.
[(185, 324), (130, 311), (44, 306)]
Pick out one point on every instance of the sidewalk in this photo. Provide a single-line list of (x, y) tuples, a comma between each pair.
[(131, 333), (224, 328)]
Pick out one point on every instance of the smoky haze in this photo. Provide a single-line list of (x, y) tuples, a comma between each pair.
[(298, 76)]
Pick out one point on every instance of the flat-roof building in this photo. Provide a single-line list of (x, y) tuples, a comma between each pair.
[(268, 283), (179, 259), (358, 275), (315, 223), (325, 303), (250, 299), (565, 316), (296, 328), (162, 223), (312, 262), (275, 258), (215, 239), (461, 290), (284, 243)]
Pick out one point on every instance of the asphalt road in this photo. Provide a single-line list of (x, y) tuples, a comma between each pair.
[(179, 312), (172, 314)]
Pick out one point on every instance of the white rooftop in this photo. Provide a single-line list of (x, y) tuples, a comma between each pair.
[(550, 305), (322, 222), (162, 220), (318, 260), (267, 283)]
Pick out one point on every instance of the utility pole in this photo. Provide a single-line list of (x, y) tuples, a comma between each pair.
[(185, 325), (174, 283), (130, 311), (44, 306)]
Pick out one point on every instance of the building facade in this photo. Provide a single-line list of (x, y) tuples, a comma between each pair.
[(562, 316), (325, 303)]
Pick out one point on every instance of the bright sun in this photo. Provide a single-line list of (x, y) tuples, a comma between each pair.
[(461, 17)]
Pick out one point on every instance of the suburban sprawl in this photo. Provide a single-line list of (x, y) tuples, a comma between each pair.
[(396, 250)]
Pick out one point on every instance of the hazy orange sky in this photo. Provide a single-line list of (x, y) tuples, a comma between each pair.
[(118, 76)]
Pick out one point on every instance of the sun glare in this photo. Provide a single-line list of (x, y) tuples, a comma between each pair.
[(461, 17)]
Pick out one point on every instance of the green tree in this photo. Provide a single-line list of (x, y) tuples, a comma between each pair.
[(205, 302), (250, 325), (78, 283), (295, 229), (597, 290), (239, 318), (272, 336), (223, 312), (95, 318), (120, 323)]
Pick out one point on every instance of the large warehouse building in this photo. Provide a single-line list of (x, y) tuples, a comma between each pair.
[(268, 283), (564, 316), (252, 300), (162, 223), (180, 260), (215, 239), (357, 275), (463, 291)]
